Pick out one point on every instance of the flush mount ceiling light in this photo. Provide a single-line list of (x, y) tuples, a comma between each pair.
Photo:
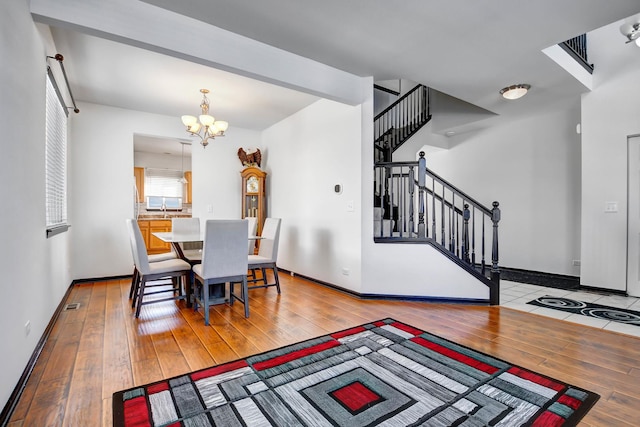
[(515, 91), (205, 126), (631, 32)]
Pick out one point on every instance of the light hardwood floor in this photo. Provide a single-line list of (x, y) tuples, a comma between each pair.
[(101, 348)]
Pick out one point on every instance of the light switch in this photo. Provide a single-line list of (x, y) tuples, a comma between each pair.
[(210, 208), (610, 207)]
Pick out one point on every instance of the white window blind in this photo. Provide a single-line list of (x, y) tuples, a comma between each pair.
[(55, 160), (163, 183)]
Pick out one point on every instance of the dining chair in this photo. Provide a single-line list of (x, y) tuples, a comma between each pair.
[(152, 271), (192, 251), (135, 277), (224, 260), (253, 227), (267, 255)]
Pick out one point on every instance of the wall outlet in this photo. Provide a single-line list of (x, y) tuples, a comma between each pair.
[(27, 327), (576, 263), (346, 271)]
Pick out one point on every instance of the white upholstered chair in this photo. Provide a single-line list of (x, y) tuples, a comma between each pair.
[(192, 251), (224, 260), (152, 271), (267, 255), (253, 227), (135, 278)]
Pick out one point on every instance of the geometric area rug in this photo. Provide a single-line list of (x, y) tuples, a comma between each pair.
[(382, 373), (614, 314)]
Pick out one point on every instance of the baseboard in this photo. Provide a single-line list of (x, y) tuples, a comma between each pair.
[(390, 297), (8, 409), (100, 279), (550, 280)]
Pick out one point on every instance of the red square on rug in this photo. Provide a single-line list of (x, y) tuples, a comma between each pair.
[(356, 397)]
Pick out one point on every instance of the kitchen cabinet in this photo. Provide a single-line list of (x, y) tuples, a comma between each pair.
[(187, 176), (138, 173), (155, 245)]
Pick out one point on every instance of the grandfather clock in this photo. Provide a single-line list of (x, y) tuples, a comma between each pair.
[(253, 195)]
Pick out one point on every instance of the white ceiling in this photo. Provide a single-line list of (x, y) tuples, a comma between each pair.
[(468, 49)]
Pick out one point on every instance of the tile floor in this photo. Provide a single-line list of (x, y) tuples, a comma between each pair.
[(517, 295)]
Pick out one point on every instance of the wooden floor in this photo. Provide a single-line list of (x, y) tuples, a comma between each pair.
[(101, 348)]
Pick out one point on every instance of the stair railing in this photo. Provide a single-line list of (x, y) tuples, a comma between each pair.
[(418, 205), (393, 126)]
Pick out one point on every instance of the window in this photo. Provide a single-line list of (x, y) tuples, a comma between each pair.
[(163, 189), (55, 161)]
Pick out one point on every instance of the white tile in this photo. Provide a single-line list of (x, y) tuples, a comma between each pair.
[(636, 305), (614, 301), (520, 306), (515, 292), (584, 296), (550, 312), (623, 328), (586, 320)]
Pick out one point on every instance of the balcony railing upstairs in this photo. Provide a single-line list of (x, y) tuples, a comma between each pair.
[(413, 204), (577, 48), (398, 122)]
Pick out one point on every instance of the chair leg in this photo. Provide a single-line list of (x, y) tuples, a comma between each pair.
[(232, 288), (143, 282), (134, 279), (275, 274), (245, 296), (136, 290), (205, 302)]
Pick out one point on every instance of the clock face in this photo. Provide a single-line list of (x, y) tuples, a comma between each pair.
[(252, 184)]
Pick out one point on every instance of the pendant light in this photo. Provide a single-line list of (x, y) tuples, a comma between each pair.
[(183, 180)]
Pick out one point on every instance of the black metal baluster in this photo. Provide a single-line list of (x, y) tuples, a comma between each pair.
[(422, 170), (442, 241), (483, 246), (473, 236), (433, 208), (466, 215)]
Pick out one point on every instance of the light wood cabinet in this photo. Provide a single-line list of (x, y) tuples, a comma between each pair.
[(187, 197), (138, 173), (155, 245)]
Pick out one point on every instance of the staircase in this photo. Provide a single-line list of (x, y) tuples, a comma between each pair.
[(414, 205), (398, 122)]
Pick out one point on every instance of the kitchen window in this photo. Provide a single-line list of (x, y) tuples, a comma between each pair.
[(163, 189)]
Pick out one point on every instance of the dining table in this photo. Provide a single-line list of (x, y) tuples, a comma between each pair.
[(218, 292)]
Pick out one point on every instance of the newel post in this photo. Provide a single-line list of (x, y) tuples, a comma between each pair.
[(495, 270), (466, 214), (422, 172)]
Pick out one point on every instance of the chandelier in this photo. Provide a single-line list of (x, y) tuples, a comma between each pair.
[(205, 127)]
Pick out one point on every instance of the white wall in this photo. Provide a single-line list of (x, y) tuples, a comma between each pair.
[(309, 153), (532, 168), (35, 270), (143, 159), (101, 185), (609, 115), (217, 184)]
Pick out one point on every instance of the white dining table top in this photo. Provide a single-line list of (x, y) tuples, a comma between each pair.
[(171, 237)]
